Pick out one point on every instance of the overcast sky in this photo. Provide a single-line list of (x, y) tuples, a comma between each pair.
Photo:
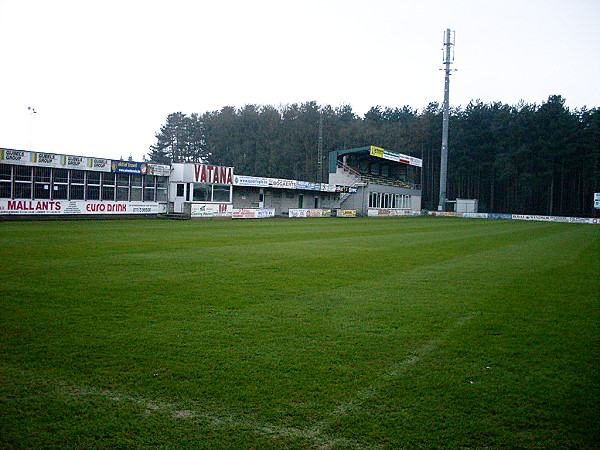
[(104, 75)]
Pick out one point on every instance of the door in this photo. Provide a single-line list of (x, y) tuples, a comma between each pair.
[(179, 198)]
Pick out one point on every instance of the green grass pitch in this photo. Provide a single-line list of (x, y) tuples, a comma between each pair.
[(309, 333)]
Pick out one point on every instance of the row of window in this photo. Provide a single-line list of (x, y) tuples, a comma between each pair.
[(386, 200), (23, 182)]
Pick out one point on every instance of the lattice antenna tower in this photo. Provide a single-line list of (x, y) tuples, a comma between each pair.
[(449, 42)]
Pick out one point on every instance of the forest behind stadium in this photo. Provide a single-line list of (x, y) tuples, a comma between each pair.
[(523, 159)]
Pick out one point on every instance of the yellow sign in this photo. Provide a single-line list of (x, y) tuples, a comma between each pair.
[(376, 151), (346, 213)]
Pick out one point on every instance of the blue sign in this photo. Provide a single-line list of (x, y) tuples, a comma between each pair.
[(139, 168)]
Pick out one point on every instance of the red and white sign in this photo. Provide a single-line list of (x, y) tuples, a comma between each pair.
[(253, 213), (385, 212), (309, 213), (203, 173), (78, 207), (211, 210)]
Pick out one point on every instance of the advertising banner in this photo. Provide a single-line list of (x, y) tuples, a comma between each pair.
[(160, 170), (346, 189), (15, 156), (597, 200), (284, 184), (398, 157), (241, 180), (78, 207), (327, 187), (308, 186), (346, 213), (309, 213), (211, 210), (74, 162), (253, 213), (46, 159), (499, 216), (391, 212), (138, 168), (475, 215), (99, 164), (54, 160)]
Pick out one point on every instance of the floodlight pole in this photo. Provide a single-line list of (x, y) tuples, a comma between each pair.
[(32, 111), (446, 119)]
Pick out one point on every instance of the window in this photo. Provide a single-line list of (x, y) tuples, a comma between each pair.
[(108, 192), (180, 190), (136, 180), (202, 192), (162, 182), (136, 194), (93, 192), (22, 190), (60, 191), (122, 193), (5, 189), (123, 179), (149, 188), (41, 190), (61, 176), (149, 193), (77, 191), (108, 179), (5, 172), (161, 194), (93, 177), (77, 176), (42, 174), (221, 194), (22, 173)]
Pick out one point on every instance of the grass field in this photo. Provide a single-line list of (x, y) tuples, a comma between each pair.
[(308, 333)]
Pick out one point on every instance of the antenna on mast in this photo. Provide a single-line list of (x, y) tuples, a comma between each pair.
[(449, 42)]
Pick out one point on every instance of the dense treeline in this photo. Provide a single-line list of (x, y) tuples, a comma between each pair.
[(528, 158)]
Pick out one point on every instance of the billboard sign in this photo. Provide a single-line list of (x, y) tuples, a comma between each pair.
[(45, 207), (160, 170), (138, 168), (308, 186), (597, 200), (15, 156), (309, 213), (398, 157), (54, 160), (46, 159), (211, 210), (284, 184), (241, 180), (252, 213)]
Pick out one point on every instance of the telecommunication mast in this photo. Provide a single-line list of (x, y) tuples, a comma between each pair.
[(449, 41)]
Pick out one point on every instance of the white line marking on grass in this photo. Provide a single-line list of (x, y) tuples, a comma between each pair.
[(224, 418), (394, 371)]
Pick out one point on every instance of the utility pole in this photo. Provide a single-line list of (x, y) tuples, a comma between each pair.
[(449, 40)]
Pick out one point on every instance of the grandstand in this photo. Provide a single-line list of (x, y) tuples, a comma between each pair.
[(379, 181)]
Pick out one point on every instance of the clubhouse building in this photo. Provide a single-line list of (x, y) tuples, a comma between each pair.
[(364, 181)]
